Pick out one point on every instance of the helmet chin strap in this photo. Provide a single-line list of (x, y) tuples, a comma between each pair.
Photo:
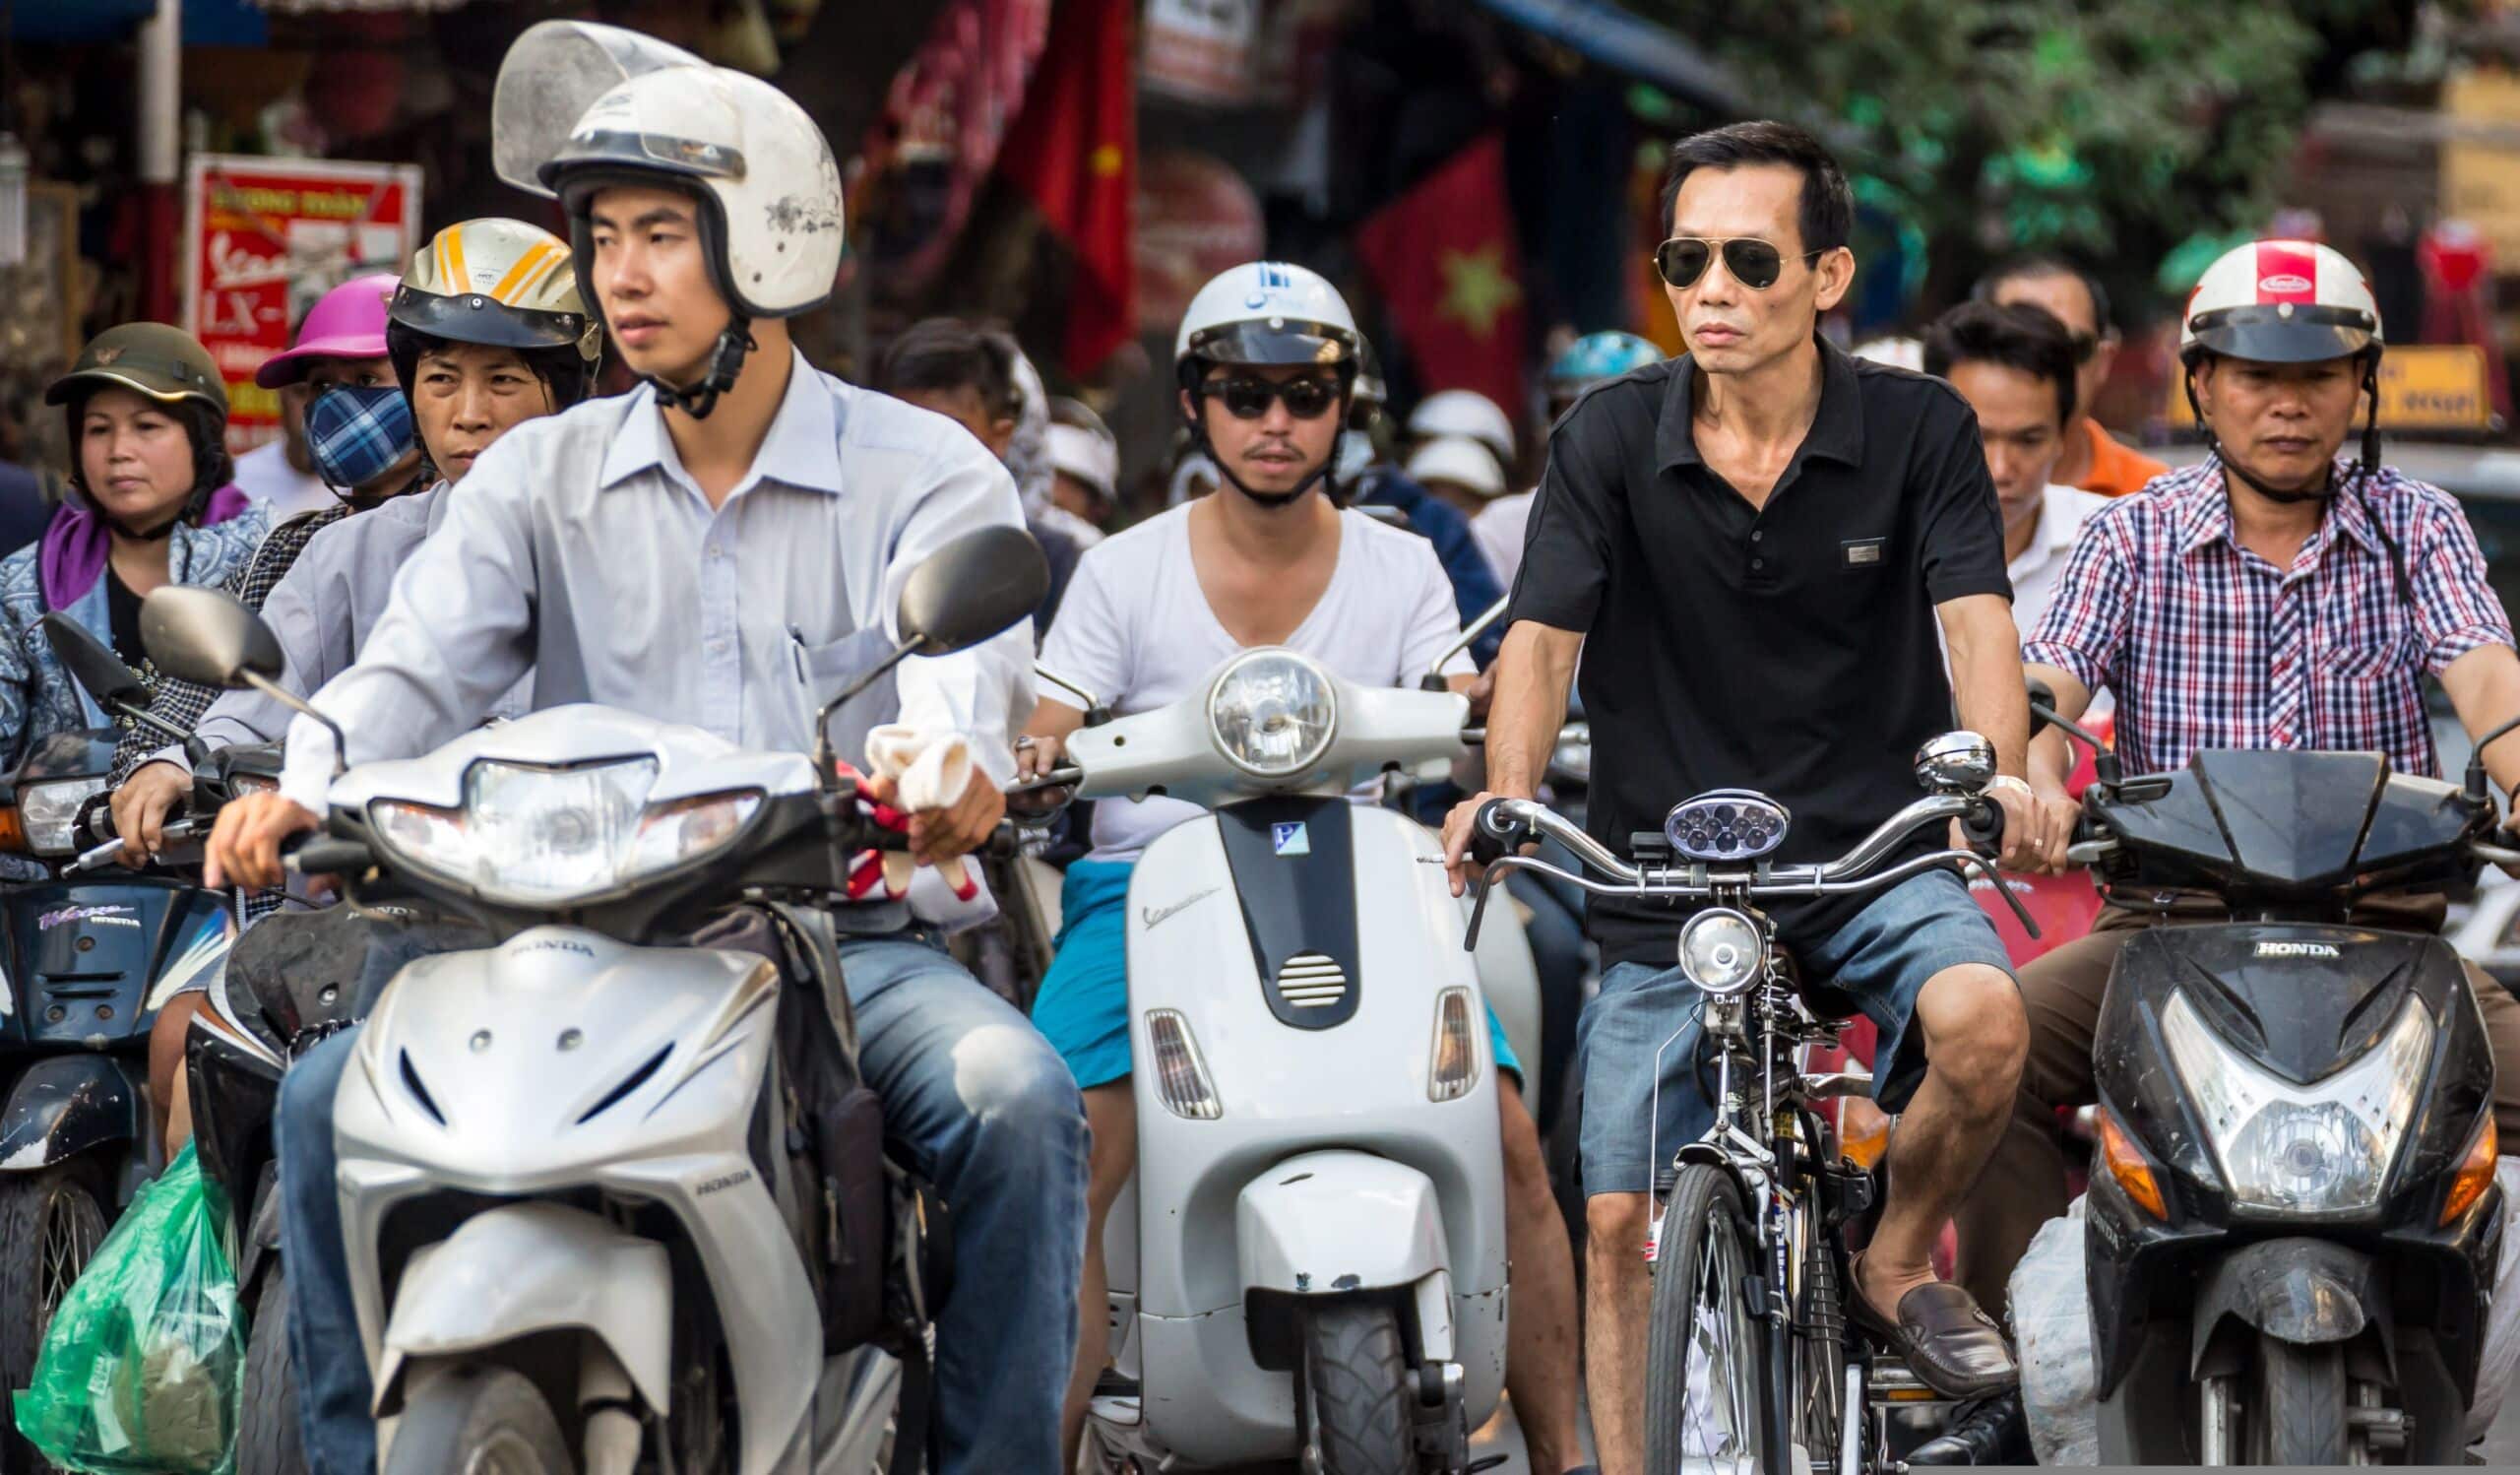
[(725, 365)]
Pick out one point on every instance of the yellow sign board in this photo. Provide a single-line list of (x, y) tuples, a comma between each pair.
[(2435, 387)]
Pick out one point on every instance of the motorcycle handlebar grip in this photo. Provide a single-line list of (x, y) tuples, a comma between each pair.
[(1496, 834), (1984, 825), (325, 855)]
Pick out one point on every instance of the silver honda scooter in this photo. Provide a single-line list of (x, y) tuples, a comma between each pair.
[(1311, 1261), (582, 1235)]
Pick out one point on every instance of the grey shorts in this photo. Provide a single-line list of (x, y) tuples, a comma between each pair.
[(1881, 959)]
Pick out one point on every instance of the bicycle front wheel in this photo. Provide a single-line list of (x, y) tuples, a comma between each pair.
[(1707, 1387)]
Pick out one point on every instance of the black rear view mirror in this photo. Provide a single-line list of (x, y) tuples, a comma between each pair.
[(970, 588), (93, 665)]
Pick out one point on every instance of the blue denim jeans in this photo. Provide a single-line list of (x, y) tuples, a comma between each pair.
[(984, 1108)]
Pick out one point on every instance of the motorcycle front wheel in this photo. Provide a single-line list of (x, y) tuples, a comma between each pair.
[(1353, 1391), (50, 1225), (2296, 1416), (482, 1421), (1707, 1387), (268, 1442)]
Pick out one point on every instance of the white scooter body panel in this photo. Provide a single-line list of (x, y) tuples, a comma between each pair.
[(585, 1062), (1359, 1086)]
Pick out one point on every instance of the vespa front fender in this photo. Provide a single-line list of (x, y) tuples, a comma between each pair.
[(63, 1105), (2304, 1291), (1328, 1222), (526, 1268)]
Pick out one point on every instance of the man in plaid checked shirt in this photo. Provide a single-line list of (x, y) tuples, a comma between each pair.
[(2274, 597)]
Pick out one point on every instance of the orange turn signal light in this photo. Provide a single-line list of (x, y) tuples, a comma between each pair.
[(2476, 1171), (2127, 1165), (13, 829)]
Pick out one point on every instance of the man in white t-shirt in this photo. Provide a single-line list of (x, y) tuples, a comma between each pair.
[(2015, 367), (1268, 357)]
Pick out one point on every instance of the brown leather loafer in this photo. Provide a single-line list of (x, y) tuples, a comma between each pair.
[(1944, 1338)]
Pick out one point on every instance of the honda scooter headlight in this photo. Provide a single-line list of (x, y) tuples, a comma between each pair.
[(2323, 1148), (48, 812), (1272, 713), (1722, 951), (534, 835)]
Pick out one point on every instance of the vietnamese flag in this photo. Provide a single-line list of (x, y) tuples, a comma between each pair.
[(1444, 258), (1074, 152)]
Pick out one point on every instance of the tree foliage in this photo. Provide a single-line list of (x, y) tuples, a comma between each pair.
[(2108, 129)]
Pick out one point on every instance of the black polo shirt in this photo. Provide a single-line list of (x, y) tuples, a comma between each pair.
[(1793, 649)]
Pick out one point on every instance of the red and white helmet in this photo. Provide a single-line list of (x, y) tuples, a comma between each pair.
[(2281, 301)]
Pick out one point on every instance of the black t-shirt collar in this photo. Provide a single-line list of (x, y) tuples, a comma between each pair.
[(1837, 430)]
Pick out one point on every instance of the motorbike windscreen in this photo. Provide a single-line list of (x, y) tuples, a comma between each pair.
[(2294, 820), (550, 77)]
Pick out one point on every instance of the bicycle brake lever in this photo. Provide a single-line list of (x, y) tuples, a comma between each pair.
[(1996, 878)]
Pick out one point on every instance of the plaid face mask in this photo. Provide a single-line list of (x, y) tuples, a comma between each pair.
[(355, 433)]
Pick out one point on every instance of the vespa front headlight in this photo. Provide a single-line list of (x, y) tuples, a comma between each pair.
[(1272, 713), (49, 813), (1722, 951), (539, 835), (2324, 1148)]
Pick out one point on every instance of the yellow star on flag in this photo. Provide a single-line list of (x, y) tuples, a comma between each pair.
[(1476, 288)]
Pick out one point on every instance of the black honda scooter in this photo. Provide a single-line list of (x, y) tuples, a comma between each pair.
[(2292, 1217)]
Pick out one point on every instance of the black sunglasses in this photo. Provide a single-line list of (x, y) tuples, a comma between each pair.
[(1753, 263), (1249, 398)]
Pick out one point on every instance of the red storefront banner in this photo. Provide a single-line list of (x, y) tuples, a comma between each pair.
[(264, 238)]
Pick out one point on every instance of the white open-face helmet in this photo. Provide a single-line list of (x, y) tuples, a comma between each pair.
[(1269, 315), (1466, 414), (2281, 301), (581, 105)]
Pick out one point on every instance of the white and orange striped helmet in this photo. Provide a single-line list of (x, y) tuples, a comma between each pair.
[(505, 284), (2281, 301)]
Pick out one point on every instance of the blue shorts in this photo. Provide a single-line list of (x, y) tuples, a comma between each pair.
[(1083, 1006), (1881, 959)]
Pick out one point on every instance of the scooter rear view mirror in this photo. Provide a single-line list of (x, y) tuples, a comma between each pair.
[(966, 592), (205, 635), (96, 668), (2044, 715)]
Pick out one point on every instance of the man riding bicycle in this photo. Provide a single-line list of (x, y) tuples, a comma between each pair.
[(1755, 548)]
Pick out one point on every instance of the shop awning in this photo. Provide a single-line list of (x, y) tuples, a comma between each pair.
[(1631, 45)]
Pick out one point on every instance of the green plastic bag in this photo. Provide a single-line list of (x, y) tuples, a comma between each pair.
[(142, 1371)]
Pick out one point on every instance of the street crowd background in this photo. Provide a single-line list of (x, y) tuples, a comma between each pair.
[(1478, 175)]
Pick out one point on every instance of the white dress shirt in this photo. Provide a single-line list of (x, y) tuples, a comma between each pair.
[(580, 548)]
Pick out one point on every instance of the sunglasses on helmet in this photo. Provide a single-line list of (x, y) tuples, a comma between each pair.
[(1248, 399), (1753, 263)]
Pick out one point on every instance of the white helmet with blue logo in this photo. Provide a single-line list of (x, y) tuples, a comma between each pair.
[(1267, 313)]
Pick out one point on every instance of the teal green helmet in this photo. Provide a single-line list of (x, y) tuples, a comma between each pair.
[(1597, 356)]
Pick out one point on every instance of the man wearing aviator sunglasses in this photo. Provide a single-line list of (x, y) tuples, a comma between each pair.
[(1755, 548)]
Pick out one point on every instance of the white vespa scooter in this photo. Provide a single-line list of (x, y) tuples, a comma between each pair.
[(1311, 1261), (582, 1235)]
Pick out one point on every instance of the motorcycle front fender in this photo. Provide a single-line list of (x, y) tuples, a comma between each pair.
[(527, 1269), (1324, 1222), (62, 1105), (2304, 1291)]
